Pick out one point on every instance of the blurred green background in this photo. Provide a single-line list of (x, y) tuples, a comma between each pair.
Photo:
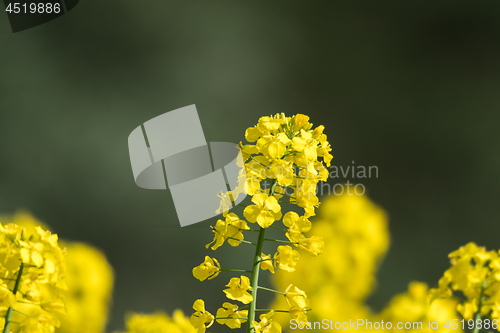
[(412, 87)]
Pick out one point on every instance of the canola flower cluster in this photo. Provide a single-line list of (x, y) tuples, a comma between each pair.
[(62, 287), (78, 302), (32, 270), (474, 275), (356, 240), (286, 156)]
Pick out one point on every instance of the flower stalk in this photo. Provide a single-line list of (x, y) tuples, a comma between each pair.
[(8, 316)]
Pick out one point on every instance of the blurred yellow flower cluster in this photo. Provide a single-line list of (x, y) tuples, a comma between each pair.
[(158, 323), (63, 289), (356, 239), (415, 307), (475, 274), (284, 166)]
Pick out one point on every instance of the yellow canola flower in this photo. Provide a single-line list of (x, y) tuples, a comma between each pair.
[(238, 289), (314, 245), (286, 258), (296, 299), (40, 323), (273, 146), (267, 324), (284, 153), (266, 262), (301, 121), (208, 269), (414, 307), (282, 171), (265, 211), (201, 319), (229, 229), (32, 275), (295, 223), (83, 306), (158, 322), (475, 272), (230, 315), (306, 145), (356, 237)]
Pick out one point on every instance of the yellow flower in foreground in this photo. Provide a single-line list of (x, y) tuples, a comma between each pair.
[(273, 146), (265, 211), (89, 280), (313, 245), (286, 258), (230, 310), (37, 322), (32, 270), (300, 122), (238, 289), (208, 269), (296, 298), (266, 324), (201, 319), (229, 229), (266, 262), (297, 223)]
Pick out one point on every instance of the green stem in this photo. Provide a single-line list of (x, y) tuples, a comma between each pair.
[(8, 316), (267, 310), (242, 240), (255, 270), (255, 279), (280, 241), (235, 270), (480, 304), (272, 290), (231, 318), (261, 260)]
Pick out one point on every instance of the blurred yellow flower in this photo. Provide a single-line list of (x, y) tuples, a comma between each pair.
[(158, 323), (90, 284)]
